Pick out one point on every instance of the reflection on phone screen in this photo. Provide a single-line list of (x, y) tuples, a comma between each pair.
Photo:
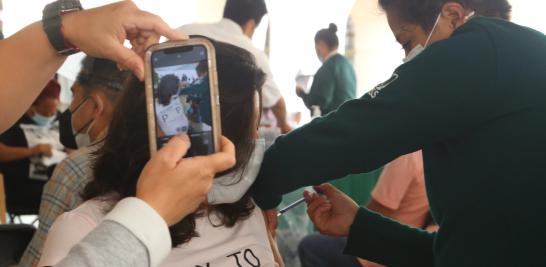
[(182, 97)]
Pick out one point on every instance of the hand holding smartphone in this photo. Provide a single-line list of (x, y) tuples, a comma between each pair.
[(182, 95)]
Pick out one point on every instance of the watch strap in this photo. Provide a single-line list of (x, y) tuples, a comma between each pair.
[(52, 24)]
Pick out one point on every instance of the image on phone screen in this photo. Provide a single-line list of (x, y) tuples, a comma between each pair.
[(182, 101)]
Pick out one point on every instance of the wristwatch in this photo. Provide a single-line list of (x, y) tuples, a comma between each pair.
[(52, 23)]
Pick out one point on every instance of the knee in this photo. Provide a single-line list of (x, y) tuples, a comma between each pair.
[(308, 246)]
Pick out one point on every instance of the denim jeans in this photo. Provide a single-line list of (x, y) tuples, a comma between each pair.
[(325, 251)]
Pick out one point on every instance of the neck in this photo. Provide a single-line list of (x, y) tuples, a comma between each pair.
[(98, 135), (330, 54)]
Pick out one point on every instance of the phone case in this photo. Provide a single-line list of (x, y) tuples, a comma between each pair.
[(213, 76)]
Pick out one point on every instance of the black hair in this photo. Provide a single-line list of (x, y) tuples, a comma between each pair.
[(102, 74), (425, 12), (202, 67), (241, 11), (167, 88), (328, 36), (125, 152)]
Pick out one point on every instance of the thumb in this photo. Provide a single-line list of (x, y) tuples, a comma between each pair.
[(327, 189), (175, 150), (129, 59)]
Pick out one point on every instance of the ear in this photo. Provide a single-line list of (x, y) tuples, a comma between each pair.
[(455, 13), (99, 105)]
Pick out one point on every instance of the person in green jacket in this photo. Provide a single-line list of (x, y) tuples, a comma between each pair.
[(474, 102), (335, 82)]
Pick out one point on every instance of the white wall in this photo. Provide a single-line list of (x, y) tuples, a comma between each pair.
[(377, 53)]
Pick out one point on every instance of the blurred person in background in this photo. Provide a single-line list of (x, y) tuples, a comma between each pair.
[(335, 82), (29, 151), (241, 18)]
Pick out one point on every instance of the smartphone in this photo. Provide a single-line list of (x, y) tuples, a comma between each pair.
[(182, 95)]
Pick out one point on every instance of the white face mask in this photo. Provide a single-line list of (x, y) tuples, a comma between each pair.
[(226, 189), (82, 139), (418, 49)]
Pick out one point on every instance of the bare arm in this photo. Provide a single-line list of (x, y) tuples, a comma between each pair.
[(10, 153), (273, 243), (279, 110), (26, 52), (379, 208)]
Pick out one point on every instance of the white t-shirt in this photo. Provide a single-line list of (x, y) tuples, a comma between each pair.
[(230, 32), (171, 118), (246, 244)]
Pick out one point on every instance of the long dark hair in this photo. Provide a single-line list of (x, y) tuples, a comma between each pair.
[(125, 152), (424, 12)]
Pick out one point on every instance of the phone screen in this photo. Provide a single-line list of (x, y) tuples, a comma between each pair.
[(182, 100)]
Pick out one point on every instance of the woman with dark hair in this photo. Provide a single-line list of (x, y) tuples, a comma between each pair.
[(412, 22), (169, 110), (216, 235), (335, 82), (473, 102)]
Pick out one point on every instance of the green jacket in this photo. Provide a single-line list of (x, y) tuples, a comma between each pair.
[(476, 105), (333, 84)]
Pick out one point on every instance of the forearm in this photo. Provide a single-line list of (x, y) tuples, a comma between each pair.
[(110, 244), (379, 239), (315, 99), (279, 110), (132, 234), (326, 149), (28, 63), (8, 153)]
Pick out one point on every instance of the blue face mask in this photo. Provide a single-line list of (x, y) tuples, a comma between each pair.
[(43, 120)]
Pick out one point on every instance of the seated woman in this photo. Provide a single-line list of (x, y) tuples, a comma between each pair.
[(216, 235)]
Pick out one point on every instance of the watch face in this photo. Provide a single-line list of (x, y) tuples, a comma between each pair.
[(69, 6)]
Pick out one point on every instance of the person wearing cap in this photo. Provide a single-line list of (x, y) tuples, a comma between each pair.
[(240, 20), (29, 151)]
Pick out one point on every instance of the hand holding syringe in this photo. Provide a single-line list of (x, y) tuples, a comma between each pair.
[(295, 204)]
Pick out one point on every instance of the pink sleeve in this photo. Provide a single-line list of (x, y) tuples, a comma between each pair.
[(67, 231), (394, 182)]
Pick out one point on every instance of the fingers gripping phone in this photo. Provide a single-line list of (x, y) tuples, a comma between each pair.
[(182, 95)]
